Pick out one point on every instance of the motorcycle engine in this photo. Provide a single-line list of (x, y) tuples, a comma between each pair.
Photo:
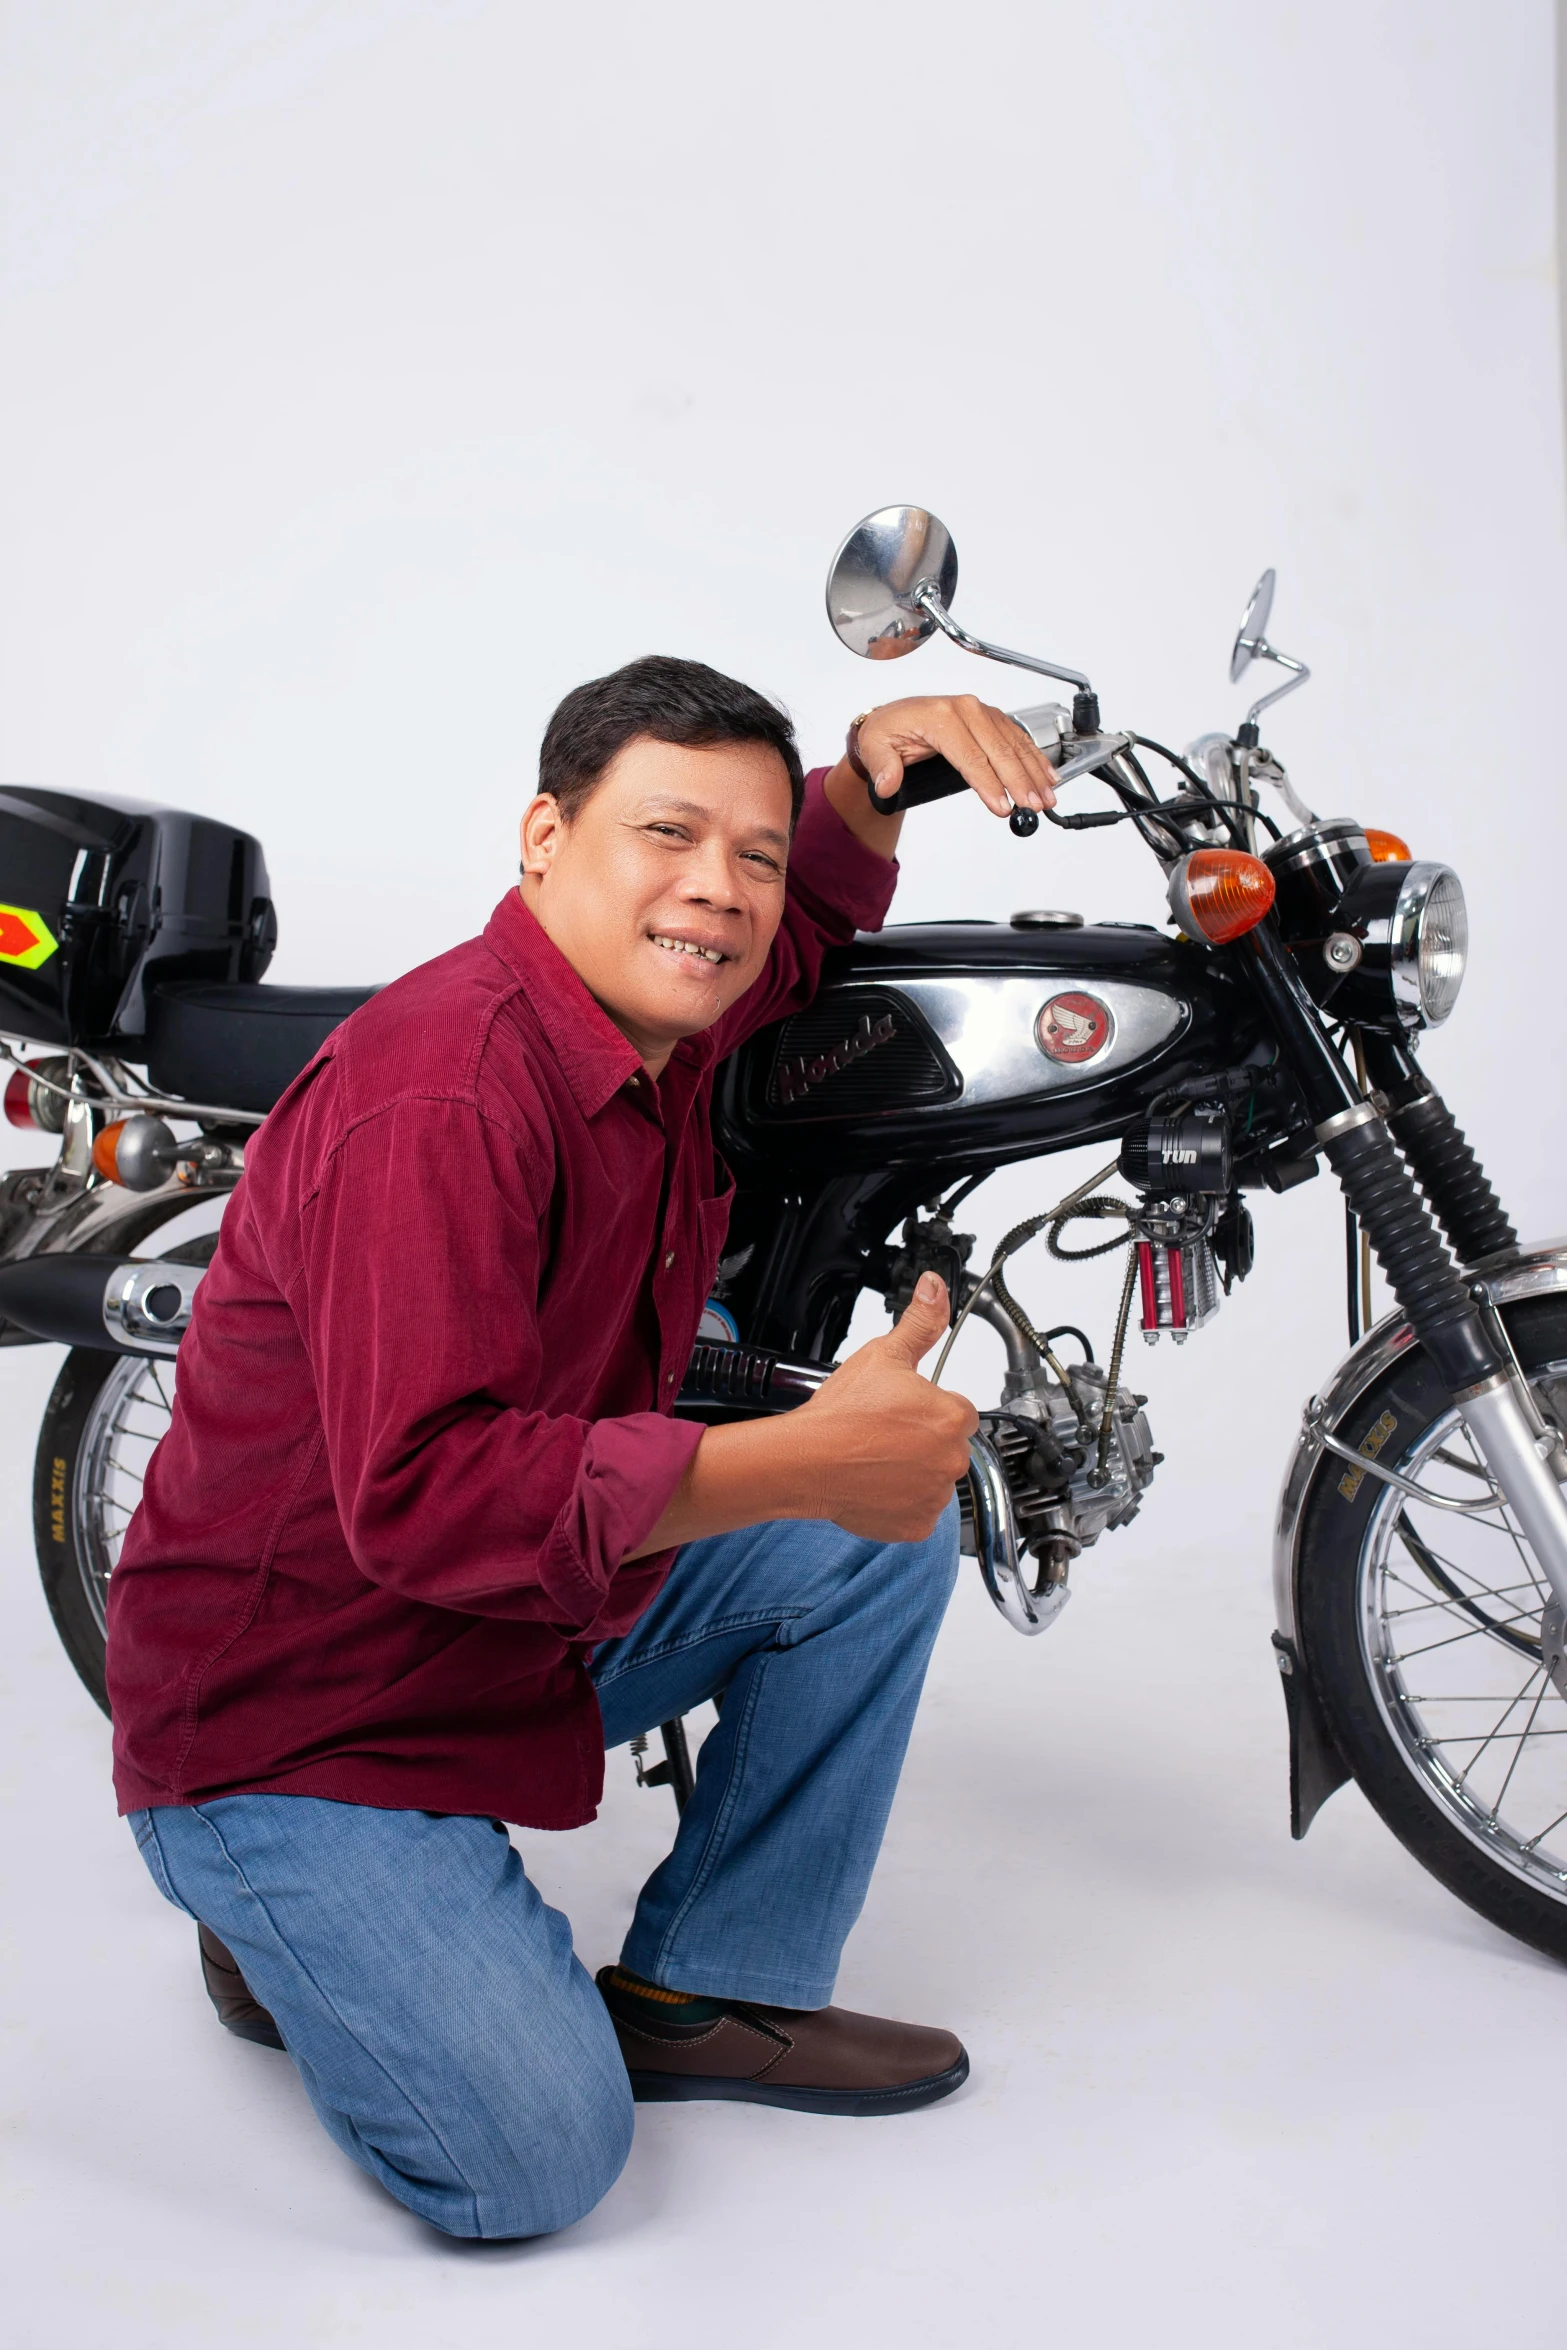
[(1048, 1440)]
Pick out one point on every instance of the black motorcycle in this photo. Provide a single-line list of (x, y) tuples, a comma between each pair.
[(1420, 1557)]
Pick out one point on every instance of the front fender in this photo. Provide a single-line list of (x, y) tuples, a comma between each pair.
[(1509, 1278), (1316, 1767)]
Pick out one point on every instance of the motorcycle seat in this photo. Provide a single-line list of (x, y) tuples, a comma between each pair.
[(236, 1046)]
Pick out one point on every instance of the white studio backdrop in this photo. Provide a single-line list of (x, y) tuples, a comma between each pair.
[(376, 371), (371, 371)]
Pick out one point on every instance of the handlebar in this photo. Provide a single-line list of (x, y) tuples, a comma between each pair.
[(936, 778), (1073, 754)]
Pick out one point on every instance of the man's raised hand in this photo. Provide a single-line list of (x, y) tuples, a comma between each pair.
[(995, 758)]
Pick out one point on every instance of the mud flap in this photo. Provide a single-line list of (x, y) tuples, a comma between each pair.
[(1317, 1769)]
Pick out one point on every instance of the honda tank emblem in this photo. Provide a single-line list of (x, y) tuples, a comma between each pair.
[(796, 1077), (1073, 1028)]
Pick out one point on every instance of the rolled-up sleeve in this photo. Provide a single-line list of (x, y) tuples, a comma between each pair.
[(452, 1487)]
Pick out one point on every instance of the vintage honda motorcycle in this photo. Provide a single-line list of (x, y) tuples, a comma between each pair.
[(1420, 1557)]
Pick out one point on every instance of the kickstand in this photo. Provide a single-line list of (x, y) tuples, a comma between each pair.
[(675, 1770)]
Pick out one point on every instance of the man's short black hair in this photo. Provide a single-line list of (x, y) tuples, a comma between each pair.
[(669, 701)]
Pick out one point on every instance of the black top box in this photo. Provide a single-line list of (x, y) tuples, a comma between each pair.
[(103, 899)]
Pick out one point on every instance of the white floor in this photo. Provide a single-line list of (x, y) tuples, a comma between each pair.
[(1226, 2090)]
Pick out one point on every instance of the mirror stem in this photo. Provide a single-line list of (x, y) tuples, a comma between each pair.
[(929, 600), (1261, 650)]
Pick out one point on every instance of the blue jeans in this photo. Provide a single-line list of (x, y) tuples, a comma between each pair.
[(450, 2041)]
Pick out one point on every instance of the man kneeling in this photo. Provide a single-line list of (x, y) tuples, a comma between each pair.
[(423, 1538)]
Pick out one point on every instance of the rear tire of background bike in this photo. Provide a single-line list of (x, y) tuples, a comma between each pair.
[(1432, 1815), (65, 1573), (76, 1529)]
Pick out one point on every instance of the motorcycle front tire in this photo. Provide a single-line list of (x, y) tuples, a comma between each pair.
[(1388, 1595)]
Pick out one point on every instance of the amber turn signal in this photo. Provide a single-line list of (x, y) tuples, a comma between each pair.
[(105, 1150), (1220, 894), (1386, 847)]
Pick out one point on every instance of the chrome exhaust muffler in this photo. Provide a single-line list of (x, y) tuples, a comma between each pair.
[(123, 1305)]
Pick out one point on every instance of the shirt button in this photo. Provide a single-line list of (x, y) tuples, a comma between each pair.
[(669, 1260)]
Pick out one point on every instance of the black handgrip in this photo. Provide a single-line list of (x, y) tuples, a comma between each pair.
[(934, 778), (749, 1380)]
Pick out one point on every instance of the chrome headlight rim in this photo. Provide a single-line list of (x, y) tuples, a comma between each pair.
[(1411, 924), (1430, 895)]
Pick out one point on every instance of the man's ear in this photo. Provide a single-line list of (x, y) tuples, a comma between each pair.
[(541, 833)]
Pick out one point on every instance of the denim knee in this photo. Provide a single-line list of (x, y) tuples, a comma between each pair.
[(582, 2154)]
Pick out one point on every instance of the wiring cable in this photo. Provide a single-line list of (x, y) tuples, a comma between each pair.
[(1009, 1245)]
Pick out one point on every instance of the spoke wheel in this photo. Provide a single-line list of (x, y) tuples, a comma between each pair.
[(1421, 1631), (103, 1421)]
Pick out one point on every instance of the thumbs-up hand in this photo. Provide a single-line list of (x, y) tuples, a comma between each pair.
[(922, 1322), (877, 1449), (882, 1447)]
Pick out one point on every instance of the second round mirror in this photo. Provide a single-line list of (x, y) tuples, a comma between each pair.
[(1253, 628)]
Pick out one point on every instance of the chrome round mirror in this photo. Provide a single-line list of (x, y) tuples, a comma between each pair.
[(1253, 629), (876, 575)]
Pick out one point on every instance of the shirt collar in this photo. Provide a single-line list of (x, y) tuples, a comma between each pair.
[(595, 1057)]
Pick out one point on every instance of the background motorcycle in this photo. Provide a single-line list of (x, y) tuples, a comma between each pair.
[(1421, 1550)]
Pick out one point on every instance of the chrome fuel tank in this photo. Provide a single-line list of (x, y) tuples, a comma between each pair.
[(979, 1041)]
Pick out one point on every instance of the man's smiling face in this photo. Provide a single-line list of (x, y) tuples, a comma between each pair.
[(665, 890)]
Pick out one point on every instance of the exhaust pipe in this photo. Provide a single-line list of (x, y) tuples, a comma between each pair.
[(124, 1305), (1028, 1607)]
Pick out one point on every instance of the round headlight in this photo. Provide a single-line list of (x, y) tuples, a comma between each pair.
[(1444, 947), (1429, 942), (1413, 933)]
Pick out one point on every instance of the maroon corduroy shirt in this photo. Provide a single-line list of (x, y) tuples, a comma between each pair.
[(423, 1404)]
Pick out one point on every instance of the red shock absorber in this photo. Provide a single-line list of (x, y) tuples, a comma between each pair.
[(1149, 1289), (1175, 1259), (1180, 1290)]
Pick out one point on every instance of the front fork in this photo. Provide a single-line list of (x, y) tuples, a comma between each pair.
[(1469, 1350), (1444, 1166)]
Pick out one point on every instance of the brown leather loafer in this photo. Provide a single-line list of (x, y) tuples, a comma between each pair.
[(239, 2010), (815, 2060)]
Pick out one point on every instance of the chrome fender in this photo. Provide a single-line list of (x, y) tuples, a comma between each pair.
[(1509, 1278), (1316, 1766)]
